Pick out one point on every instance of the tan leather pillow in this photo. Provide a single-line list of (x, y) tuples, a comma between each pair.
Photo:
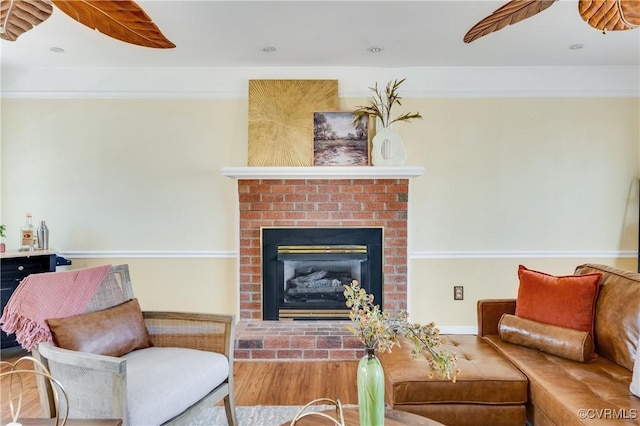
[(564, 342), (114, 331)]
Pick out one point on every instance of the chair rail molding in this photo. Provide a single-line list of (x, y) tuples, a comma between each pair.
[(233, 254), (148, 254), (515, 254)]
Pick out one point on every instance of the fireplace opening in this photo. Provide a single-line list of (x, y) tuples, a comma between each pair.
[(304, 270)]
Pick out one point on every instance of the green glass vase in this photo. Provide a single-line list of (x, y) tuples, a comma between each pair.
[(370, 390)]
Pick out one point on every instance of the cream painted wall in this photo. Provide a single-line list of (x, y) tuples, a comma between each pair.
[(123, 174), (127, 178), (539, 181), (525, 174), (432, 281), (183, 285)]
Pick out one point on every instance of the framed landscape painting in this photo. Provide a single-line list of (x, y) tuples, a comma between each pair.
[(337, 142)]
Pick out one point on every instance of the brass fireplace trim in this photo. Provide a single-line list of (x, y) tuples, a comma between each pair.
[(313, 313), (339, 249)]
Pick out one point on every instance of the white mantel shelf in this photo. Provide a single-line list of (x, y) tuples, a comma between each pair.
[(326, 172)]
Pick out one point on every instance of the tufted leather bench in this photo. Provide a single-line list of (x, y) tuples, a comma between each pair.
[(489, 389)]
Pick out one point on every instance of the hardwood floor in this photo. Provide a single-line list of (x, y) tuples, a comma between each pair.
[(255, 382), (293, 382)]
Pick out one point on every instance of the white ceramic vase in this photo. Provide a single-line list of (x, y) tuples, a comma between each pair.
[(387, 148)]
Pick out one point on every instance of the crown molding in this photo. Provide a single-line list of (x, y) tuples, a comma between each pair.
[(232, 82)]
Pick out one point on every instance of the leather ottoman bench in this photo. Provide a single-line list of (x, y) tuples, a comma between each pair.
[(488, 391)]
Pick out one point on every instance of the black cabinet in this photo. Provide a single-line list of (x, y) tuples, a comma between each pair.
[(14, 266)]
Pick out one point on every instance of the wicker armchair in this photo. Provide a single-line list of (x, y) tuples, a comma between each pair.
[(101, 386)]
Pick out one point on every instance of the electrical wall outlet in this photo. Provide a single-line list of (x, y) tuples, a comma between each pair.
[(458, 292)]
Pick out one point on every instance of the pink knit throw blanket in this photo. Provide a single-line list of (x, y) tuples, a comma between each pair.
[(49, 295)]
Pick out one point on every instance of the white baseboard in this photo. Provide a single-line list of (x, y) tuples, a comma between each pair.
[(458, 329)]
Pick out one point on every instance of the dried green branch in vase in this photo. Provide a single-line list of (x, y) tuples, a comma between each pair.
[(381, 104)]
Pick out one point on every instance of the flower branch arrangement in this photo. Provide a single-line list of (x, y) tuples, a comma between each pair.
[(381, 330), (380, 105)]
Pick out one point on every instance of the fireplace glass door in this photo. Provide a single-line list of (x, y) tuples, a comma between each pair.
[(314, 278), (305, 270)]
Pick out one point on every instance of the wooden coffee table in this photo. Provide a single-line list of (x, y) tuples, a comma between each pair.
[(352, 418)]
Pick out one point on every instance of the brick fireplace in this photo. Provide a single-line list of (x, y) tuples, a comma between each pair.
[(333, 197)]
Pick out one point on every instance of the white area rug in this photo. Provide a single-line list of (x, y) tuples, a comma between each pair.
[(259, 415)]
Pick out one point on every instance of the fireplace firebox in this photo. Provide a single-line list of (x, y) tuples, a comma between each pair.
[(304, 270)]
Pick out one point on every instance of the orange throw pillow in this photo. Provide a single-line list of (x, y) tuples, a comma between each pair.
[(565, 301)]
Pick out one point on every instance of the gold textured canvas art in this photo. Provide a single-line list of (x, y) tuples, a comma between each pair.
[(281, 119)]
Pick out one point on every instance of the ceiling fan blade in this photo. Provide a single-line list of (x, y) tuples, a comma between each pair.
[(631, 11), (511, 13), (610, 15), (123, 20), (19, 16)]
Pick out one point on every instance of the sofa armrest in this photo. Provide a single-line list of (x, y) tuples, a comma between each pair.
[(489, 313), (206, 332)]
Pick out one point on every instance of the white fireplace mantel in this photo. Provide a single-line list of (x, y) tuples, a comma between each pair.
[(324, 172)]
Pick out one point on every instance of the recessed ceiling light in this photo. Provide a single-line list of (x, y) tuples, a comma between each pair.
[(56, 49), (268, 49), (375, 49), (576, 46)]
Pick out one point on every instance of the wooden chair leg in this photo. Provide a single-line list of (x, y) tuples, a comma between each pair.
[(230, 409)]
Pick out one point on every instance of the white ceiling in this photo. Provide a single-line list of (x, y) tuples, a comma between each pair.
[(328, 33)]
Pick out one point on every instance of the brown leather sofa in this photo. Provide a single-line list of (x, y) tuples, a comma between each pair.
[(564, 392)]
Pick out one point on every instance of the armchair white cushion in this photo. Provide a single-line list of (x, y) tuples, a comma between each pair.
[(156, 377)]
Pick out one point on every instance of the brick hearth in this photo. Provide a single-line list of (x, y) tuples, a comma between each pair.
[(302, 340), (358, 202)]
